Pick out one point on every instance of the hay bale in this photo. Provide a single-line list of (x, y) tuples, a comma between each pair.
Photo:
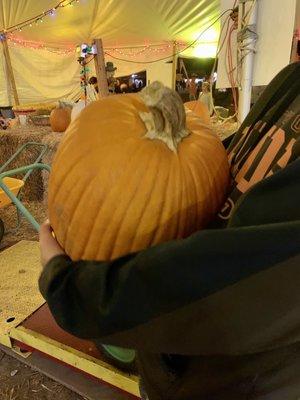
[(25, 231), (14, 138), (224, 129)]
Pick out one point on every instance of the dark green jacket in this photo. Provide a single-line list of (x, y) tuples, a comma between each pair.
[(215, 316)]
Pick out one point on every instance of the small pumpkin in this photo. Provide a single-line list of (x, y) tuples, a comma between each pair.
[(60, 118), (130, 173)]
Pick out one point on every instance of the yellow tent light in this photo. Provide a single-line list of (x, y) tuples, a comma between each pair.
[(211, 35), (205, 50)]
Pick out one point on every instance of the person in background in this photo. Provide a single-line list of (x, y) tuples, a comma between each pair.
[(117, 88), (123, 87), (131, 86), (94, 81), (112, 82), (206, 98), (192, 88)]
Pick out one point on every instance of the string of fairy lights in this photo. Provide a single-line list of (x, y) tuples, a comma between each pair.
[(125, 52), (16, 41), (136, 51)]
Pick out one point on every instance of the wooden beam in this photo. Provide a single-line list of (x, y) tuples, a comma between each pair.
[(100, 69), (83, 362), (5, 340), (174, 65), (10, 71)]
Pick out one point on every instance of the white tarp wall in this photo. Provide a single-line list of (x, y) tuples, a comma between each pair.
[(275, 27), (42, 75), (4, 86)]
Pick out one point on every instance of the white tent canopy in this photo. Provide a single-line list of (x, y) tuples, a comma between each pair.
[(122, 25)]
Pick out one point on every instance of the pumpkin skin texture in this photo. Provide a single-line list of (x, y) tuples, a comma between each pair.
[(199, 109), (112, 191), (60, 119)]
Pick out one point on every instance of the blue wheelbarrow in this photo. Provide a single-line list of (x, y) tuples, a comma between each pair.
[(11, 187)]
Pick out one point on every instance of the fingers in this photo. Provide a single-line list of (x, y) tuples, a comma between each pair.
[(49, 247), (45, 234)]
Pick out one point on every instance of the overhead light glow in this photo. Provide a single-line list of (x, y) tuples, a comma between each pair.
[(205, 50), (211, 35)]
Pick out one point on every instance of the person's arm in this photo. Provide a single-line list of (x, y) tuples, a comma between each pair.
[(217, 291)]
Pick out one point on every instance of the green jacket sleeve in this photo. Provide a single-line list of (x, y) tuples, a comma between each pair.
[(203, 294)]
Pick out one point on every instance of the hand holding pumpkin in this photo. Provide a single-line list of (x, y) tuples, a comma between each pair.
[(48, 245)]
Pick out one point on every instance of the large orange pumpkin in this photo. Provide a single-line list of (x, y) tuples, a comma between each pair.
[(60, 118), (128, 175)]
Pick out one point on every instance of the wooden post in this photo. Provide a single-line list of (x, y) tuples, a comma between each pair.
[(100, 69), (10, 71), (174, 65)]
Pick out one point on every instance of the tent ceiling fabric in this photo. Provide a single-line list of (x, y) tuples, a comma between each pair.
[(43, 75), (117, 22)]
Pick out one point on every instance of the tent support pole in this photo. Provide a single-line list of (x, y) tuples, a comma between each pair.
[(100, 69), (247, 64), (174, 65), (10, 71)]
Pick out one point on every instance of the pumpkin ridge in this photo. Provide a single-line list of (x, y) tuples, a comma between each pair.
[(61, 200), (157, 160), (204, 177), (105, 202), (194, 186), (181, 201), (187, 196), (198, 182), (175, 199), (177, 180), (164, 204), (140, 220), (158, 225), (61, 181), (75, 211)]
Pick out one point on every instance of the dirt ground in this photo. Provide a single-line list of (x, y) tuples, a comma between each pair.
[(25, 231), (19, 382)]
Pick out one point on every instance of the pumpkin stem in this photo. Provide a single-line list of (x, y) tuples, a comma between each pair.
[(166, 120)]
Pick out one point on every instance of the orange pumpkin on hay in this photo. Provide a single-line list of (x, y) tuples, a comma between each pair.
[(60, 118)]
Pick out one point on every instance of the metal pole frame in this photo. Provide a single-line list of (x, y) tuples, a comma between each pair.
[(23, 210)]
